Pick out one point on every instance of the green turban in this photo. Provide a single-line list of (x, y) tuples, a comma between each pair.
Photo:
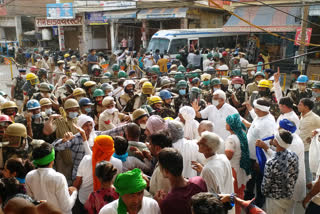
[(128, 183)]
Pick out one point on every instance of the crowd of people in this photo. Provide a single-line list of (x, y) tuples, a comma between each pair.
[(203, 133)]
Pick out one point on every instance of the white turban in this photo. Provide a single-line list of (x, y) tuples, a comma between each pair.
[(82, 119), (191, 125)]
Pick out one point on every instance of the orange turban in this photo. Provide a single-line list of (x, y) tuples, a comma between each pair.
[(102, 149)]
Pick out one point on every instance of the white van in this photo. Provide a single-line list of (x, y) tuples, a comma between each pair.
[(171, 41)]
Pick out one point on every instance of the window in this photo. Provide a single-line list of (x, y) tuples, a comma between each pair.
[(177, 44), (158, 43)]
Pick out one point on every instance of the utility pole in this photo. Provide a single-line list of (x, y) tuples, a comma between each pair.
[(303, 33)]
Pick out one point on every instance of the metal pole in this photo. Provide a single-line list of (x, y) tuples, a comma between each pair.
[(303, 34)]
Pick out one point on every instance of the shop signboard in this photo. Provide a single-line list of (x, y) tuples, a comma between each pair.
[(44, 22), (96, 18), (118, 5), (60, 11), (299, 35)]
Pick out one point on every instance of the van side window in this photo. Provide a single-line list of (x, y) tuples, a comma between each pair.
[(177, 44)]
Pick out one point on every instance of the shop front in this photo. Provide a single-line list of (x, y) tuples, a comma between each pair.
[(108, 28), (68, 31), (271, 20)]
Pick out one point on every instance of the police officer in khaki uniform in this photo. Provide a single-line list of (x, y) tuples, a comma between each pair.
[(61, 124), (251, 87)]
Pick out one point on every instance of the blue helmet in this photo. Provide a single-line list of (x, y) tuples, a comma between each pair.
[(302, 79), (33, 104), (165, 94), (85, 102)]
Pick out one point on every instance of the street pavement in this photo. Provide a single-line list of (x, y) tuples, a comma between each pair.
[(5, 77)]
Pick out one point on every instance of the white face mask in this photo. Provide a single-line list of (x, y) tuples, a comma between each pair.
[(252, 73), (237, 86), (143, 126), (110, 94), (111, 110), (38, 60), (215, 102), (48, 111)]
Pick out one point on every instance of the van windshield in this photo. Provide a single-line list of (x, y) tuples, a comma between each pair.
[(158, 43), (177, 44)]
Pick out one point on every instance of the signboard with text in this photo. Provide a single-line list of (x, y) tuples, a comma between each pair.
[(299, 35), (43, 22), (60, 11)]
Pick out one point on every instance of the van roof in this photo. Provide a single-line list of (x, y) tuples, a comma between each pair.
[(185, 32)]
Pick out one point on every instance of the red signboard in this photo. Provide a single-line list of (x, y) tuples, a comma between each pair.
[(219, 2), (299, 35)]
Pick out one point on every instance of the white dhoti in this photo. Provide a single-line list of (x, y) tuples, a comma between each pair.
[(278, 206)]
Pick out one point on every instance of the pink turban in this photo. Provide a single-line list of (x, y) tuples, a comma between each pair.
[(156, 124)]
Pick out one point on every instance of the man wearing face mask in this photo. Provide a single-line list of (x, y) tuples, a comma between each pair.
[(216, 85), (44, 89), (35, 122), (217, 113), (251, 87), (16, 88), (61, 125), (10, 108), (183, 98), (86, 106), (98, 96), (140, 117), (46, 108), (237, 97), (110, 117), (167, 110), (300, 92), (316, 97), (128, 95), (265, 92), (205, 86)]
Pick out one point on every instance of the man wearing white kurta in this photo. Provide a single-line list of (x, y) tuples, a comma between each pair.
[(263, 126), (188, 149), (217, 172), (217, 113), (45, 183)]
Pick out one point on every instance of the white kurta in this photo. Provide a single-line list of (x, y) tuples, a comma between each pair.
[(85, 172), (190, 132), (217, 174), (218, 118), (233, 143), (260, 128), (149, 206), (47, 184), (190, 152)]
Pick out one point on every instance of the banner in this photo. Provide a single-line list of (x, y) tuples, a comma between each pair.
[(43, 22), (299, 35), (60, 11)]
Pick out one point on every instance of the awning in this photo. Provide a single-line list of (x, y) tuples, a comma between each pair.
[(129, 14), (163, 13), (314, 10), (265, 17)]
